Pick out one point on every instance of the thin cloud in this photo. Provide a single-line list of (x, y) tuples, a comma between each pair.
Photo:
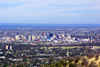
[(40, 8)]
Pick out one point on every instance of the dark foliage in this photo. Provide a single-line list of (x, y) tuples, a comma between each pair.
[(65, 64), (71, 59), (61, 63), (58, 65), (77, 60), (72, 65), (92, 65), (90, 55), (20, 66), (97, 56), (78, 56), (85, 62)]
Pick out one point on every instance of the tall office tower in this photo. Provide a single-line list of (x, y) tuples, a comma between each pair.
[(37, 37), (88, 38), (91, 37), (50, 35), (7, 38), (59, 36), (12, 39), (22, 37), (68, 36), (74, 38), (54, 36), (43, 33), (17, 37), (10, 47), (63, 35), (6, 47), (29, 38), (33, 38)]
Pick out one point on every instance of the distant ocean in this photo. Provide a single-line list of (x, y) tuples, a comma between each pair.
[(34, 25)]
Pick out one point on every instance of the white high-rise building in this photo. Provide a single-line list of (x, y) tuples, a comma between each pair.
[(63, 35), (22, 37), (68, 36), (33, 37), (17, 37), (6, 47), (10, 47), (29, 38)]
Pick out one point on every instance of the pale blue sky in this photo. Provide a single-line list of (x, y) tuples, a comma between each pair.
[(50, 11)]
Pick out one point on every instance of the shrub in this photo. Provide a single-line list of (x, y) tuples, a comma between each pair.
[(58, 64), (61, 63), (77, 56), (84, 62), (20, 66), (80, 66), (77, 60), (72, 65), (92, 64), (65, 64), (90, 55), (71, 59), (97, 56)]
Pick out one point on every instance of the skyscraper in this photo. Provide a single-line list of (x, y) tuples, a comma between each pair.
[(17, 37), (33, 37), (50, 35), (43, 33), (8, 47), (22, 37), (29, 38), (68, 36)]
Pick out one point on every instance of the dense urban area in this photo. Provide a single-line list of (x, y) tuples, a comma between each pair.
[(49, 47)]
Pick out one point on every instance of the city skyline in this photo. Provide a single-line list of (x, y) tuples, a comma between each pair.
[(51, 11)]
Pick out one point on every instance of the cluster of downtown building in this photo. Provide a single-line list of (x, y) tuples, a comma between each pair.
[(54, 39)]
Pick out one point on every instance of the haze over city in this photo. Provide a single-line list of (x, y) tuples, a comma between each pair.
[(50, 11)]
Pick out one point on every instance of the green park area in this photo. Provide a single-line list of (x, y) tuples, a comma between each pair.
[(69, 47)]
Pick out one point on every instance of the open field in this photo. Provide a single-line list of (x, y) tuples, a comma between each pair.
[(63, 47), (96, 47), (70, 47)]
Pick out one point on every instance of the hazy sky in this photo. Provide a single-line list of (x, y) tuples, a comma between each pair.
[(50, 11)]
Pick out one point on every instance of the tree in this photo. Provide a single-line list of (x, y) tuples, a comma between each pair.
[(20, 66), (65, 64), (90, 55), (72, 65), (84, 62), (58, 64), (77, 60), (71, 59), (92, 65), (6, 66), (61, 62), (97, 56)]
